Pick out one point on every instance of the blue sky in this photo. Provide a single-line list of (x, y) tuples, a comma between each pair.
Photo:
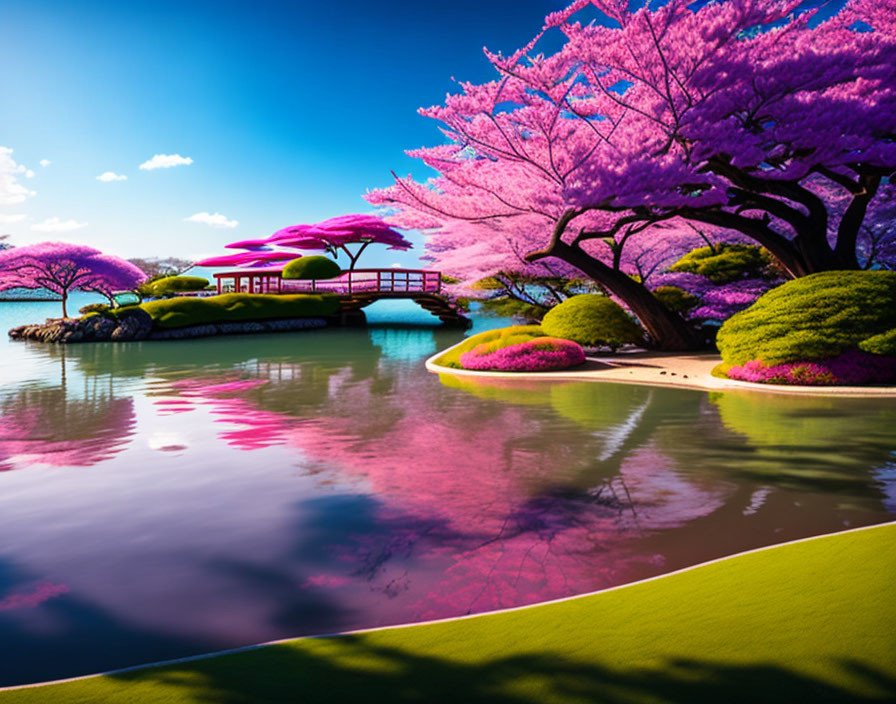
[(288, 111)]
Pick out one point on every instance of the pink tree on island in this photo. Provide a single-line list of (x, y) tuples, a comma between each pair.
[(332, 236), (63, 268), (729, 115)]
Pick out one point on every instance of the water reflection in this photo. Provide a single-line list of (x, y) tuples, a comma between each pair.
[(51, 425), (268, 486)]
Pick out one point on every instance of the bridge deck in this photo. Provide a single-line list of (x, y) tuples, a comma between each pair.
[(356, 289)]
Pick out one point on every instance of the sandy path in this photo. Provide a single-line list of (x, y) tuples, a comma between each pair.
[(688, 371)]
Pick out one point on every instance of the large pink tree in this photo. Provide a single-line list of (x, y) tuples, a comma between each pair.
[(734, 115), (63, 268)]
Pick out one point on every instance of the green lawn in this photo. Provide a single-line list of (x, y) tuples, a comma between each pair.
[(810, 622)]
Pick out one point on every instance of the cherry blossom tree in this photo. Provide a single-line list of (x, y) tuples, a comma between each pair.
[(334, 236), (729, 115), (62, 268), (877, 236), (249, 259)]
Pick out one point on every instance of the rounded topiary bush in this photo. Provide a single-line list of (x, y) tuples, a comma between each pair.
[(497, 338), (594, 320), (313, 267), (815, 317), (836, 327), (171, 285), (536, 355)]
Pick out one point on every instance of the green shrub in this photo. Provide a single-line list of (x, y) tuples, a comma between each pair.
[(171, 285), (96, 309), (495, 339), (724, 262), (675, 299), (230, 307), (814, 317), (594, 320), (313, 267), (883, 344), (507, 307)]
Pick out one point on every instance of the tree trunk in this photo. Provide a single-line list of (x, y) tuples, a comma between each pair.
[(64, 301), (667, 330)]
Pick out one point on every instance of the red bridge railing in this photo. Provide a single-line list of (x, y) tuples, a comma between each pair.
[(351, 282)]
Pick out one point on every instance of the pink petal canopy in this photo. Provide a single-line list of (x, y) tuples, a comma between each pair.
[(62, 267), (248, 259), (342, 230)]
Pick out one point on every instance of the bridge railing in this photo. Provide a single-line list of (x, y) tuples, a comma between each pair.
[(370, 281)]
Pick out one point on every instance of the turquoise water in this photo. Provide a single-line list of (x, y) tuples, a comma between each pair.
[(169, 498)]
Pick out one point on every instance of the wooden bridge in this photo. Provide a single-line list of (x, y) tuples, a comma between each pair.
[(356, 288)]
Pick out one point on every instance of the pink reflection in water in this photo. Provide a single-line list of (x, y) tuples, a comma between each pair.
[(40, 593), (47, 426), (473, 516)]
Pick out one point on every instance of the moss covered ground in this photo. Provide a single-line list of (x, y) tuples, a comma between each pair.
[(232, 307), (810, 621)]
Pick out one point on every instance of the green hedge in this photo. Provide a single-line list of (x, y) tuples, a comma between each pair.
[(313, 267), (231, 307), (817, 316), (594, 320), (496, 339)]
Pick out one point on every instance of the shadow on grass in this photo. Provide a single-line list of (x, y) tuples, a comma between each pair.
[(352, 669)]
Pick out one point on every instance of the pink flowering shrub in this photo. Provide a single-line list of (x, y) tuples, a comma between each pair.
[(540, 354), (852, 368)]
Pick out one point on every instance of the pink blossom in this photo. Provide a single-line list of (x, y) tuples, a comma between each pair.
[(333, 236), (541, 354), (852, 368), (61, 268), (747, 118)]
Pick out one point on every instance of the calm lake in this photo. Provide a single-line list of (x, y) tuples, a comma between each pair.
[(162, 499)]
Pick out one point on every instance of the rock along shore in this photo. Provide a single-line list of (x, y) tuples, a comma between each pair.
[(133, 325)]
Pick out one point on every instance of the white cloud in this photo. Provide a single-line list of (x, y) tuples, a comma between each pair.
[(29, 174), (57, 225), (11, 191), (45, 162), (165, 161), (9, 218), (212, 219), (108, 176)]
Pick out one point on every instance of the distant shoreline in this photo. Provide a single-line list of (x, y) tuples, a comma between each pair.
[(31, 299)]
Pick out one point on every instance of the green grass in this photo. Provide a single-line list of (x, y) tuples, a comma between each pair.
[(498, 338), (810, 622), (230, 307)]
